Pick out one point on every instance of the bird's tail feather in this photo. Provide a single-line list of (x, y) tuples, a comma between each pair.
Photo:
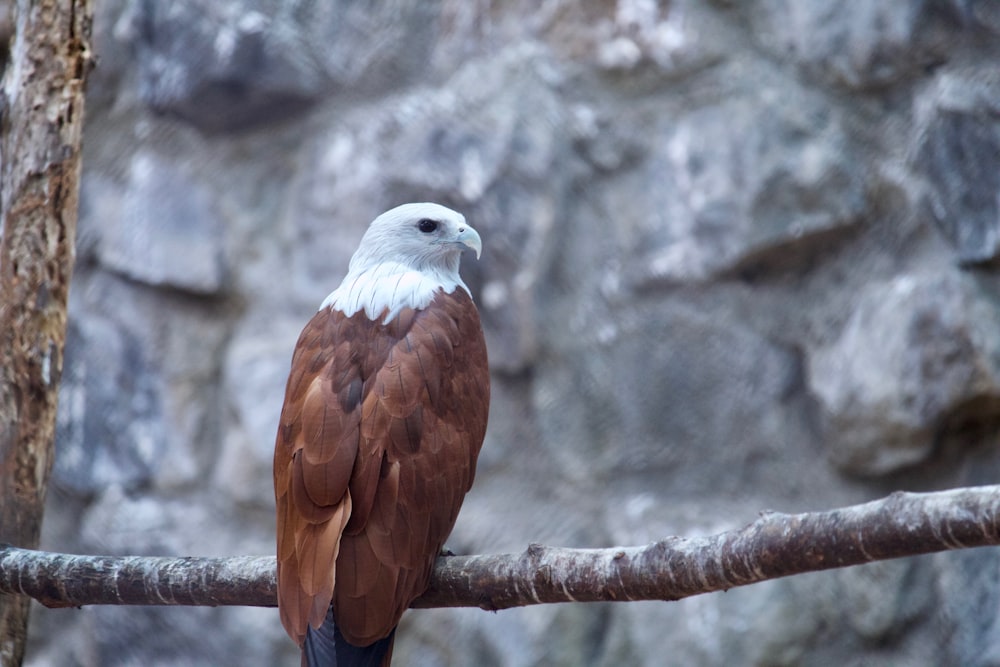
[(326, 647)]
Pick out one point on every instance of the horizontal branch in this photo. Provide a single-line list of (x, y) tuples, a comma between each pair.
[(69, 580), (775, 545)]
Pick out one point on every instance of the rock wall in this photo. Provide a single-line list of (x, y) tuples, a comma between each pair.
[(739, 256)]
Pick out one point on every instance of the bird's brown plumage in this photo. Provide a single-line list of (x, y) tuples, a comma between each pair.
[(376, 448)]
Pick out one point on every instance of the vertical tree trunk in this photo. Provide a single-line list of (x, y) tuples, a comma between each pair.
[(42, 118)]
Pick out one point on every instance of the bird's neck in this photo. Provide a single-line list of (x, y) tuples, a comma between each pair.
[(390, 287)]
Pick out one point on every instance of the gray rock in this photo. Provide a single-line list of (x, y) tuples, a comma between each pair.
[(110, 635), (221, 66), (879, 600), (732, 184), (857, 44), (110, 427), (667, 421), (255, 372), (161, 238), (914, 351), (970, 628), (981, 12), (789, 616), (236, 65), (959, 155)]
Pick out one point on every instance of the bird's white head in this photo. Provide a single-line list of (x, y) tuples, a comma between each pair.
[(408, 254)]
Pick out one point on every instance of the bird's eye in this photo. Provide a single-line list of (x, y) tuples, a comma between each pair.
[(427, 226)]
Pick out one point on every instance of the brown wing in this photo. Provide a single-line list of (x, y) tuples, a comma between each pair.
[(376, 449), (314, 454)]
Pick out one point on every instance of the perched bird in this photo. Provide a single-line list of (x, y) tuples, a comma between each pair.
[(385, 412)]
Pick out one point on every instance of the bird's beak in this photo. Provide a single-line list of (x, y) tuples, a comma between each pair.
[(469, 237)]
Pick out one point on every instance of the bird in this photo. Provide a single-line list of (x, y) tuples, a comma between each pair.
[(384, 415)]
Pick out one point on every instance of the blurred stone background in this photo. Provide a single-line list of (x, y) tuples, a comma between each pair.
[(739, 256)]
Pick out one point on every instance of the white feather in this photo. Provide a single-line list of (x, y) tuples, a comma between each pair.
[(397, 267)]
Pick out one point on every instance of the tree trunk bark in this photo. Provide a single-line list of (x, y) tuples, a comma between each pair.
[(42, 118)]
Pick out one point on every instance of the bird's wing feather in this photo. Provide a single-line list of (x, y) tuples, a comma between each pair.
[(315, 453), (427, 411), (377, 446)]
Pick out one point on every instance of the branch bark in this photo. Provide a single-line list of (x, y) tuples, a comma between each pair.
[(775, 545), (41, 106)]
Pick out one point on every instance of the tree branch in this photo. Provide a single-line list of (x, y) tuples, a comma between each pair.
[(775, 545)]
